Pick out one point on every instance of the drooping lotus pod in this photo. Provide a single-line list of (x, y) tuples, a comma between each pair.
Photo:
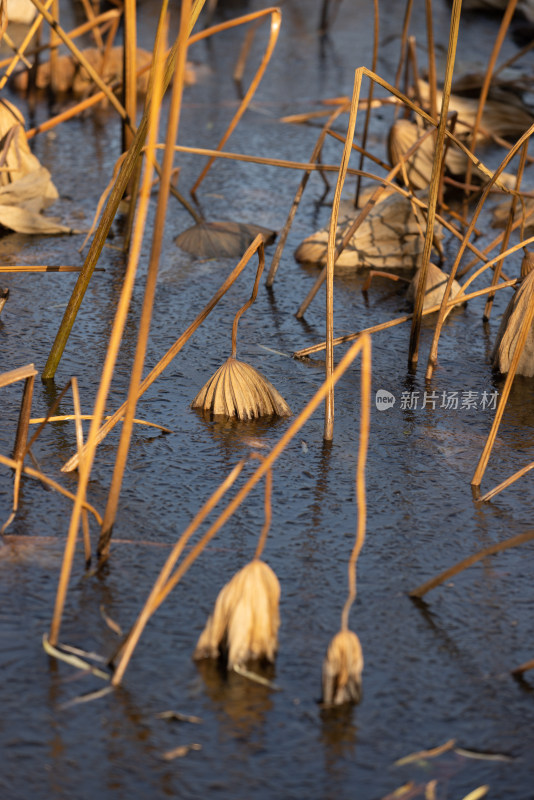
[(511, 322), (245, 620), (342, 670), (239, 390)]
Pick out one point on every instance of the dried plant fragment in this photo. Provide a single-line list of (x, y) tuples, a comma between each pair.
[(25, 186), (342, 670), (510, 328), (498, 118), (221, 239), (245, 620), (436, 281), (239, 390), (4, 294), (404, 134), (72, 77), (389, 238)]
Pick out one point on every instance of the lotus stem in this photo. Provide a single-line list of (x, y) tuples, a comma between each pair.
[(365, 417), (256, 244)]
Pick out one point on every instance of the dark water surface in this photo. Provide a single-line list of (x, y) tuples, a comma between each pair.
[(433, 672)]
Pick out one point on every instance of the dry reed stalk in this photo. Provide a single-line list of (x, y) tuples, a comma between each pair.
[(350, 337), (433, 355), (413, 350), (79, 445), (331, 254), (90, 14), (282, 237), (35, 473), (34, 27), (508, 482), (42, 268), (237, 389), (404, 39), (245, 619), (27, 374), (153, 265), (505, 24), (343, 665), (151, 605), (166, 581), (431, 55), (508, 229), (129, 70), (276, 18), (70, 417), (107, 218), (523, 668), (515, 541), (244, 53), (164, 362), (119, 322), (11, 44), (376, 29)]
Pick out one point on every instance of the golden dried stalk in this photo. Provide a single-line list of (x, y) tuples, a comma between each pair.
[(342, 670), (245, 620), (239, 390)]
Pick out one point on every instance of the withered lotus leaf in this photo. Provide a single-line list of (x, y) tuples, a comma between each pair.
[(245, 620), (342, 670), (239, 390)]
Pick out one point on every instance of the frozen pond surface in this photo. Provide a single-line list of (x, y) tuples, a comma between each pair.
[(432, 672)]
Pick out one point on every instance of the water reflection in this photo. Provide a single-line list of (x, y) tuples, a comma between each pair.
[(241, 704), (339, 734)]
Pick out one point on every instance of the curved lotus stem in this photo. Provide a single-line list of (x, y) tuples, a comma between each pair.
[(267, 507), (261, 263)]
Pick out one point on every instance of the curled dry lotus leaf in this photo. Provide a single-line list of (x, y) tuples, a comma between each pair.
[(390, 237), (239, 390), (510, 329), (221, 239), (342, 670), (497, 117), (436, 281), (245, 620), (25, 186), (404, 134)]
